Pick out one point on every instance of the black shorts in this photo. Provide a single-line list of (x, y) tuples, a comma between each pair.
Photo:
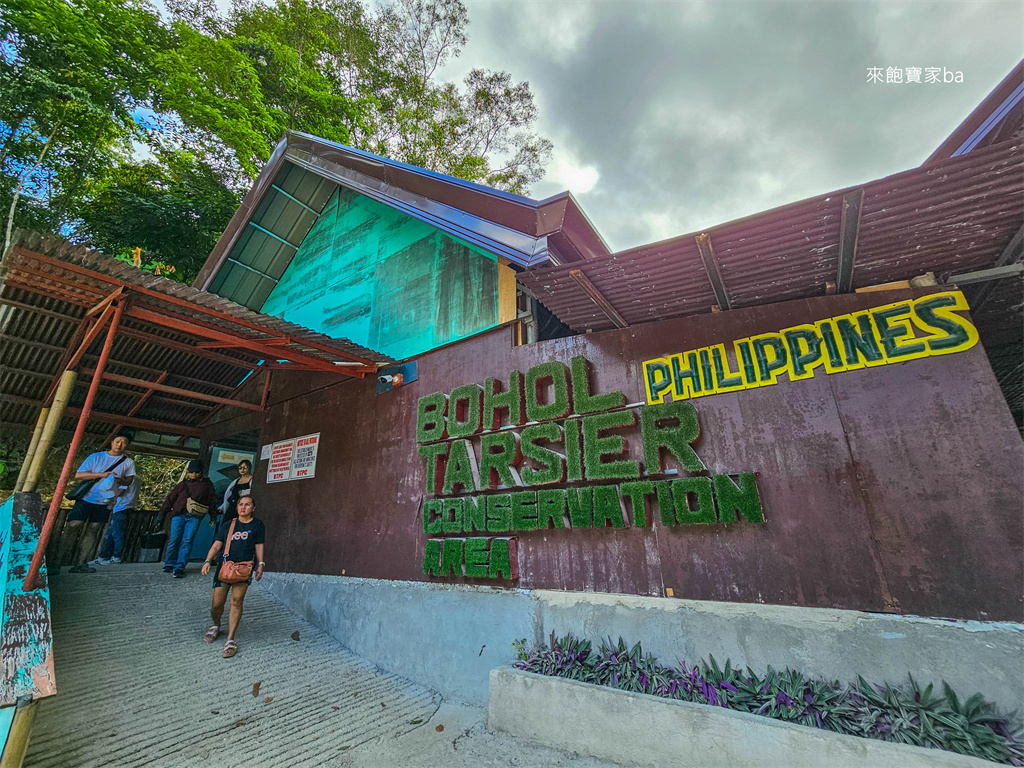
[(218, 583), (89, 512)]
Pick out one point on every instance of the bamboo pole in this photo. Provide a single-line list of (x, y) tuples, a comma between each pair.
[(60, 402), (69, 462), (26, 463), (17, 740)]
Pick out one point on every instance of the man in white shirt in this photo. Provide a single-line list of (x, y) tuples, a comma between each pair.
[(111, 470), (113, 542)]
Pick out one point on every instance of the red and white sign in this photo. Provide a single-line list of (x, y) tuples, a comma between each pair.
[(293, 459)]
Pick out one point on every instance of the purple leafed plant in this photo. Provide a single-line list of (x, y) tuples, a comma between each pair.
[(905, 714)]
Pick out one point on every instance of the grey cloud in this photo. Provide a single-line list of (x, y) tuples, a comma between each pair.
[(694, 114)]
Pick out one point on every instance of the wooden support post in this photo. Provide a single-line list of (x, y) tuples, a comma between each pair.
[(21, 731), (69, 462), (56, 413), (33, 444)]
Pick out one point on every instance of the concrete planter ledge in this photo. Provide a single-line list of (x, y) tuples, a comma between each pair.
[(637, 729)]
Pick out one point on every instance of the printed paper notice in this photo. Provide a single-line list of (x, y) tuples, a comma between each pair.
[(265, 451), (293, 459), (304, 461), (280, 467)]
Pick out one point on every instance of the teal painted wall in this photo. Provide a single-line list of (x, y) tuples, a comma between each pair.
[(380, 278)]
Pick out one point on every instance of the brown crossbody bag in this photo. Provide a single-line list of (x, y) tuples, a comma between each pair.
[(231, 572)]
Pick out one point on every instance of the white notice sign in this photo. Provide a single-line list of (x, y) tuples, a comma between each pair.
[(265, 451), (293, 459), (304, 463)]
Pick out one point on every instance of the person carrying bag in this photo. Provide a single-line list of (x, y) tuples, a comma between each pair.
[(102, 477), (241, 541), (188, 503), (231, 571)]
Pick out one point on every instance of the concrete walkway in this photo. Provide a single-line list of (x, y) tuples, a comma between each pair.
[(138, 687)]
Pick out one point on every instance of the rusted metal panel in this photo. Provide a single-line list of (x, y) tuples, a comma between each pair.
[(895, 488)]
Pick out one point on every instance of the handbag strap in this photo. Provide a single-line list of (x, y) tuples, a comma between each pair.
[(231, 532), (113, 466)]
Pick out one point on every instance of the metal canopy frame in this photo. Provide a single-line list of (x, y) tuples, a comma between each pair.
[(104, 308)]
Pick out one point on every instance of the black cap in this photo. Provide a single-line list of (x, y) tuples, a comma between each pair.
[(127, 434), (195, 466)]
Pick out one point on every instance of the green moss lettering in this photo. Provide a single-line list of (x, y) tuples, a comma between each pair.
[(580, 502), (474, 514), (537, 380), (451, 515), (552, 463), (608, 507), (430, 413), (550, 508), (637, 493), (503, 559), (510, 401), (596, 447), (583, 401), (738, 497), (693, 500), (460, 473), (524, 511), (432, 558), (432, 516), (476, 558), (673, 426), (499, 455), (465, 407), (573, 454), (453, 552), (666, 507), (435, 454), (499, 512)]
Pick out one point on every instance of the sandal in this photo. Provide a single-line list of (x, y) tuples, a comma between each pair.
[(230, 649), (211, 634)]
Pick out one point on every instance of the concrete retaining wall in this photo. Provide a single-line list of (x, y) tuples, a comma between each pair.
[(635, 729), (450, 637)]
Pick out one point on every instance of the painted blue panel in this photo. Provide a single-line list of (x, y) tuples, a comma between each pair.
[(380, 278), (25, 635)]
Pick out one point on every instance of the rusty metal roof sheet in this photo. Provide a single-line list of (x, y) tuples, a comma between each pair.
[(954, 215), (46, 287)]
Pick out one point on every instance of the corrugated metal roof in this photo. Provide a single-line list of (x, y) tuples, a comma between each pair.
[(46, 287), (954, 215)]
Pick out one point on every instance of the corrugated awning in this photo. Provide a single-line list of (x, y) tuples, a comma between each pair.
[(953, 216), (179, 355)]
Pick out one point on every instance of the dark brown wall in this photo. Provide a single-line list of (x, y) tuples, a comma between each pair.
[(894, 489)]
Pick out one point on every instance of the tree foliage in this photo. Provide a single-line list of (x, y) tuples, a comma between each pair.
[(116, 122)]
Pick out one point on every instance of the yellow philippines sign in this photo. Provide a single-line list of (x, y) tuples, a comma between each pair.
[(894, 333)]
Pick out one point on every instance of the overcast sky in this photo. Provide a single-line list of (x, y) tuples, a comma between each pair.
[(671, 117)]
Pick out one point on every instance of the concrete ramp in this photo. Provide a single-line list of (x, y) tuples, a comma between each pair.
[(137, 686)]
